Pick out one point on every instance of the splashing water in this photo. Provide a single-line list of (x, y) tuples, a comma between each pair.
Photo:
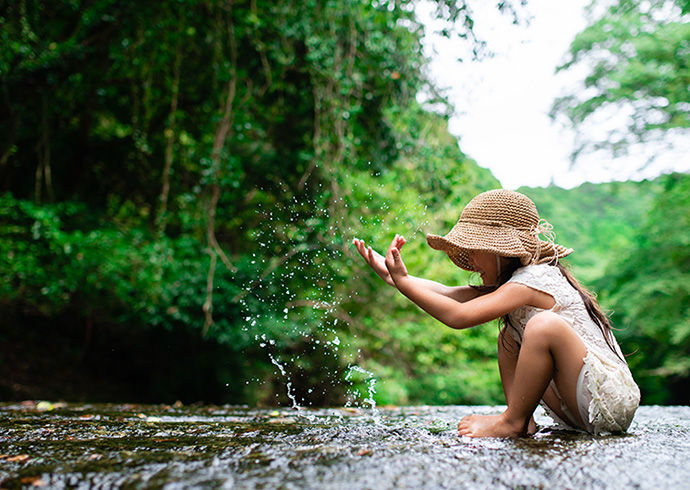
[(290, 393), (371, 385), (312, 317)]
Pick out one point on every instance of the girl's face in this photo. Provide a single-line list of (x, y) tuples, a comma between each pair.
[(485, 264)]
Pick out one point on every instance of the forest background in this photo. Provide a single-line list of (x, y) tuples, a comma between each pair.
[(180, 182)]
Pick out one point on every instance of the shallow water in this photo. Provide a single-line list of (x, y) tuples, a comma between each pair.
[(135, 446)]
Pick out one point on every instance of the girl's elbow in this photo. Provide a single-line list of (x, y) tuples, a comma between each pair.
[(460, 323)]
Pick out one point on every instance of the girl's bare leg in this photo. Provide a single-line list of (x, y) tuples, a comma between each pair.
[(550, 350), (508, 350)]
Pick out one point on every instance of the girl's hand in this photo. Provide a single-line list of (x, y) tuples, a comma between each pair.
[(394, 263), (375, 260)]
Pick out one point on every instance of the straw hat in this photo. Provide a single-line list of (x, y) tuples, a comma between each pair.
[(502, 222)]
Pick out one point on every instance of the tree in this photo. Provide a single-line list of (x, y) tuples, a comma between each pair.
[(638, 59), (649, 292), (204, 165)]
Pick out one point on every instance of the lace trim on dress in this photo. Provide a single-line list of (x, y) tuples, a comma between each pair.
[(548, 279), (615, 395)]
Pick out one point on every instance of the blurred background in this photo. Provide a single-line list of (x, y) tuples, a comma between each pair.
[(180, 182)]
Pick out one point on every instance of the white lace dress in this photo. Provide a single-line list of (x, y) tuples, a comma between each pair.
[(614, 394)]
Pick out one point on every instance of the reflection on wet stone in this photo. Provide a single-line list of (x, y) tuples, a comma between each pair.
[(231, 447)]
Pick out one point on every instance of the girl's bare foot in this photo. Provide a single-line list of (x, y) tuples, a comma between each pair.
[(489, 426)]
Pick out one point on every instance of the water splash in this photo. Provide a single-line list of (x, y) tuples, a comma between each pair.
[(290, 391), (371, 385)]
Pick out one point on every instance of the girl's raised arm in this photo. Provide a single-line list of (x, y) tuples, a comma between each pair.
[(377, 262), (457, 315)]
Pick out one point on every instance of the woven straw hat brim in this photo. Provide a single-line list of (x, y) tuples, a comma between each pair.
[(503, 241)]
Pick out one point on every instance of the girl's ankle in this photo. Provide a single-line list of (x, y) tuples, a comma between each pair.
[(517, 424)]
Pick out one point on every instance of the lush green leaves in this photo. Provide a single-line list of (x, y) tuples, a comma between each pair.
[(206, 165), (636, 55), (649, 291)]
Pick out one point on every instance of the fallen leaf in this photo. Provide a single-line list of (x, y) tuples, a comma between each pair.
[(34, 481), (282, 420), (44, 406), (20, 458)]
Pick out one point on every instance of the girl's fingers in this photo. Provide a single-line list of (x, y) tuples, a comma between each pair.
[(394, 242), (398, 242), (359, 244), (362, 249), (370, 255)]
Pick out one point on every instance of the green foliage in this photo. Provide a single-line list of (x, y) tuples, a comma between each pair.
[(596, 220), (205, 165), (649, 291), (637, 55), (415, 358)]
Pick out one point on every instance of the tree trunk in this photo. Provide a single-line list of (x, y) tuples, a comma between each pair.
[(170, 137), (214, 249)]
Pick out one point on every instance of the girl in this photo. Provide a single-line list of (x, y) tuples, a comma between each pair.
[(556, 344)]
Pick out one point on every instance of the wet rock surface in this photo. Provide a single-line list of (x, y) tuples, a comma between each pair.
[(82, 446)]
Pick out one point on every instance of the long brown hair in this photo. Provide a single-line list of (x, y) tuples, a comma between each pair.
[(589, 299)]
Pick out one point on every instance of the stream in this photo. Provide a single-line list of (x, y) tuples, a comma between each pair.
[(58, 445)]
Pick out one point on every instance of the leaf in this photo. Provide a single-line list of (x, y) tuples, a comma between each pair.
[(34, 481), (20, 458)]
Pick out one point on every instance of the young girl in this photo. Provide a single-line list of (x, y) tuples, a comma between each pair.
[(556, 344)]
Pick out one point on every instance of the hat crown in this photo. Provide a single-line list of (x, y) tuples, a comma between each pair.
[(509, 208), (502, 222)]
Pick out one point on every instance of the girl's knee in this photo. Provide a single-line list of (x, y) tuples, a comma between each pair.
[(543, 325)]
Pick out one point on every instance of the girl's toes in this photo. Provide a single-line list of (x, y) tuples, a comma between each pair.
[(463, 426), (464, 430)]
